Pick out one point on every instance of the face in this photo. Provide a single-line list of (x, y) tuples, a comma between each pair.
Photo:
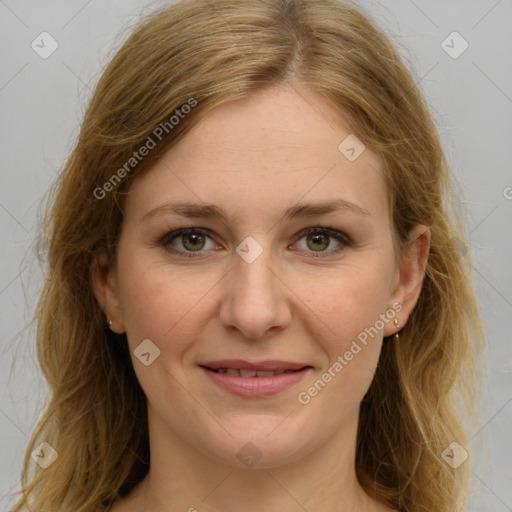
[(257, 245)]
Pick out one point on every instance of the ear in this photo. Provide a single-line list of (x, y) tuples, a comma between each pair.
[(409, 279), (104, 283)]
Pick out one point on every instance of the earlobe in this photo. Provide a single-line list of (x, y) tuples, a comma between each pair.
[(411, 274), (105, 289)]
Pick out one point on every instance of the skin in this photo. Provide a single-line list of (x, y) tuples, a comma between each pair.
[(254, 158)]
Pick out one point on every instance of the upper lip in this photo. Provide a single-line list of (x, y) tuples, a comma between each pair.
[(268, 365)]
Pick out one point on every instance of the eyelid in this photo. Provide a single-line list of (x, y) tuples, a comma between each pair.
[(175, 233), (335, 233), (340, 236)]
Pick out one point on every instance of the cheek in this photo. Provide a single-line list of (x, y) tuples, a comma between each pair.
[(348, 305), (161, 306), (160, 302), (350, 301)]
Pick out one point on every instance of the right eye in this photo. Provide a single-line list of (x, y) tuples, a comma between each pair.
[(187, 241)]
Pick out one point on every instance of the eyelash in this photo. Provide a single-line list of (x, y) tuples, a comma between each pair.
[(330, 232)]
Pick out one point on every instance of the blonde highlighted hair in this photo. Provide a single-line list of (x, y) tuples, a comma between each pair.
[(216, 52)]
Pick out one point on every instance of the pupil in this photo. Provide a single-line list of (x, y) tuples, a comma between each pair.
[(193, 240), (317, 240)]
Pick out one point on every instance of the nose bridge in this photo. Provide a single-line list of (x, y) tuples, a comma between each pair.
[(253, 301), (254, 279)]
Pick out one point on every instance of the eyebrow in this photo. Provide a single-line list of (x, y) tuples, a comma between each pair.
[(210, 211)]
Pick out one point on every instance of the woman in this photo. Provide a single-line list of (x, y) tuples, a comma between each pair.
[(255, 298)]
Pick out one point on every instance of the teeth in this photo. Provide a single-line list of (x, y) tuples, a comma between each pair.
[(249, 373), (265, 374)]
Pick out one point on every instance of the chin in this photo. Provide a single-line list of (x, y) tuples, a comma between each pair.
[(262, 443)]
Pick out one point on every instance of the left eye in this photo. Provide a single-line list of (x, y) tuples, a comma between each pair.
[(319, 239), (188, 241)]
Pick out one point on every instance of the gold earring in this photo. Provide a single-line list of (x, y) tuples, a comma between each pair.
[(397, 325)]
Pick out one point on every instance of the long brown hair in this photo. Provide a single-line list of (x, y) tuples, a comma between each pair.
[(213, 53)]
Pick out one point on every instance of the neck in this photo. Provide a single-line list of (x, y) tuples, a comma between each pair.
[(180, 478)]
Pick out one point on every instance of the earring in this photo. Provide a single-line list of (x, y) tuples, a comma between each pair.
[(109, 323), (397, 325)]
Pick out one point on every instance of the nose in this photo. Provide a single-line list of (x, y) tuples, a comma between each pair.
[(254, 300)]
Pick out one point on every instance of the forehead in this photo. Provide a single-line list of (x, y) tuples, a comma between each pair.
[(263, 154)]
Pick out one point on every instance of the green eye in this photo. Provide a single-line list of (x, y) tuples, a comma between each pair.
[(193, 241), (316, 241), (319, 239)]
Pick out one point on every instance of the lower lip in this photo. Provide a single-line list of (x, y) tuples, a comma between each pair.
[(256, 387)]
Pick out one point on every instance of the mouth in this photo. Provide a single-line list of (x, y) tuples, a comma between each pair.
[(254, 379), (244, 372)]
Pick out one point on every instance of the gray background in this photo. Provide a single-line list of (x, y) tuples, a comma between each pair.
[(42, 102)]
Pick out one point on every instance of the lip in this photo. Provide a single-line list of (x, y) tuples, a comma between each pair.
[(267, 365), (256, 387)]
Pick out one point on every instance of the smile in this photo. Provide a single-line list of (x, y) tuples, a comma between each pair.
[(256, 379), (249, 373)]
